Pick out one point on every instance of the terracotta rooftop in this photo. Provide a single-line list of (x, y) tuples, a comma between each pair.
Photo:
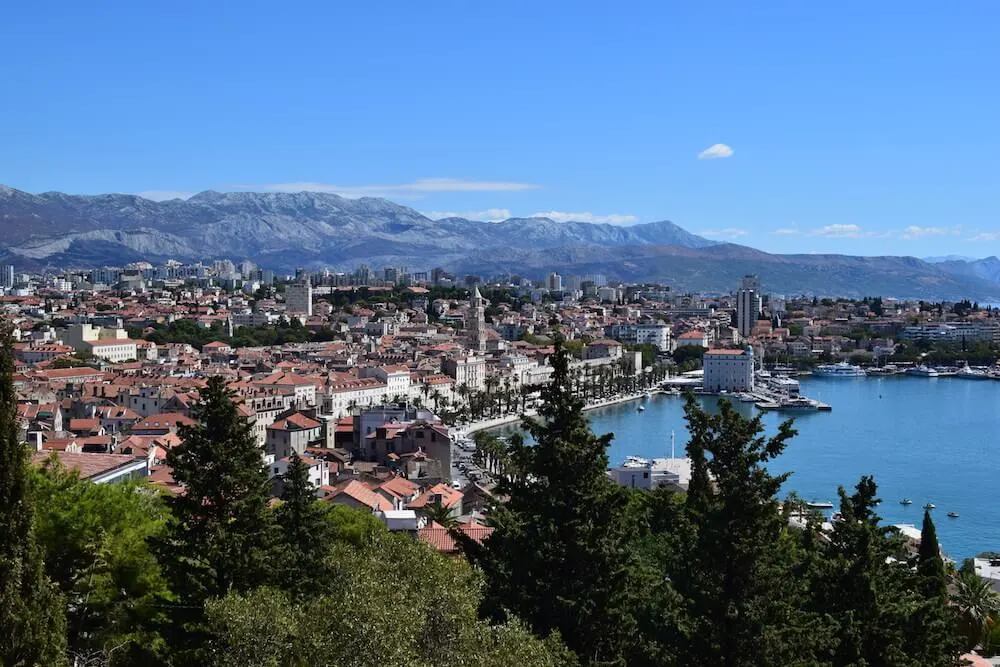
[(89, 465)]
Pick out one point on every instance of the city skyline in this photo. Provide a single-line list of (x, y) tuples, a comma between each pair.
[(861, 130)]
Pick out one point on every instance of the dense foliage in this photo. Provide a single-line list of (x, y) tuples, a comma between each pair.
[(31, 609)]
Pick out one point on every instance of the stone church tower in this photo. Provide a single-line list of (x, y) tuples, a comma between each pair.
[(476, 325)]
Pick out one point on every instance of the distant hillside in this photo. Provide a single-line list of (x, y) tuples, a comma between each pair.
[(317, 230)]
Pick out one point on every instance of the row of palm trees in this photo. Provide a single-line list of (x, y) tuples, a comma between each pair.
[(502, 396)]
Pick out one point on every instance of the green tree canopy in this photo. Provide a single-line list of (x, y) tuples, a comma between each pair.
[(32, 621), (96, 551)]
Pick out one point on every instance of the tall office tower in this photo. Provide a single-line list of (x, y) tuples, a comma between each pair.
[(7, 276), (298, 298), (748, 304), (555, 282)]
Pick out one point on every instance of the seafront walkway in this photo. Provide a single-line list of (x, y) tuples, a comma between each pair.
[(515, 418)]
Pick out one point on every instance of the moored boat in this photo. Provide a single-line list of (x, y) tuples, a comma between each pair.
[(820, 506), (929, 506), (838, 370), (922, 371), (952, 515), (905, 501)]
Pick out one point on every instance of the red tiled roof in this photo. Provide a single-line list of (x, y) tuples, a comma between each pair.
[(295, 422), (400, 487), (441, 539), (361, 494), (89, 465), (449, 496), (726, 352)]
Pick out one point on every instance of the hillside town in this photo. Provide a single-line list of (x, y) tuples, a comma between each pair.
[(384, 377)]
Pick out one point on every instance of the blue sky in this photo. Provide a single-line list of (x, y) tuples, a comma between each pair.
[(857, 126)]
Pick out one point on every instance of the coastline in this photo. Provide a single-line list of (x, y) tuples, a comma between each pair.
[(515, 418)]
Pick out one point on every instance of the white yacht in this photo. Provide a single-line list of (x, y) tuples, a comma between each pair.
[(922, 371), (838, 370), (970, 373)]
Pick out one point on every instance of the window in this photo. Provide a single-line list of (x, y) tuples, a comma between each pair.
[(645, 475)]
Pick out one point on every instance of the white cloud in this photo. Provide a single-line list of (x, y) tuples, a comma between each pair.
[(715, 151), (727, 233), (986, 236), (586, 216), (164, 195), (489, 215), (413, 190), (787, 231), (915, 231), (845, 231)]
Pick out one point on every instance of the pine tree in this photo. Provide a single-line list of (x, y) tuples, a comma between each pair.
[(734, 575), (560, 556), (32, 614), (218, 539), (304, 534)]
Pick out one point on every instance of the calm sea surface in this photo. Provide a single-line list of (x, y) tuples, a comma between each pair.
[(928, 439)]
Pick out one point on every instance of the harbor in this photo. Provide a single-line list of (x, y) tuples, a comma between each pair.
[(927, 442)]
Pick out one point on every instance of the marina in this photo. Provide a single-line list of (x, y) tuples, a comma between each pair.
[(925, 440)]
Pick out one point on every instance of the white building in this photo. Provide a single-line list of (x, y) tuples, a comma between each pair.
[(555, 282), (729, 370), (468, 371), (657, 335), (318, 473), (115, 350), (638, 473), (298, 298)]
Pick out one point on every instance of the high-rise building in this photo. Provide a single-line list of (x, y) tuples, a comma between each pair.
[(476, 324), (555, 282), (748, 304), (298, 298), (7, 276)]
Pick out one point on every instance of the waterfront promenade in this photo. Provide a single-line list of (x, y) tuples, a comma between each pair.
[(515, 418)]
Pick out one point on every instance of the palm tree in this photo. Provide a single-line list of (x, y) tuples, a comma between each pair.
[(439, 514), (436, 397), (976, 602)]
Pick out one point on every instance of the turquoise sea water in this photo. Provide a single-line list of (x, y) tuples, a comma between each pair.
[(927, 439)]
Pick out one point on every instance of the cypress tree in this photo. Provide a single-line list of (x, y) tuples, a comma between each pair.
[(930, 566), (218, 538), (560, 557), (304, 534), (32, 614), (934, 636)]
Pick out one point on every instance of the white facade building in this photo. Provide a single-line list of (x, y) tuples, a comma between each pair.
[(115, 350), (468, 371), (638, 473), (729, 370)]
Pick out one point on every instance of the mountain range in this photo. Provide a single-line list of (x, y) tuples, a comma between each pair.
[(318, 230)]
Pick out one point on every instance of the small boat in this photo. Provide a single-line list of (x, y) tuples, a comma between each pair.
[(640, 408), (820, 506), (952, 515), (929, 506), (905, 501)]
